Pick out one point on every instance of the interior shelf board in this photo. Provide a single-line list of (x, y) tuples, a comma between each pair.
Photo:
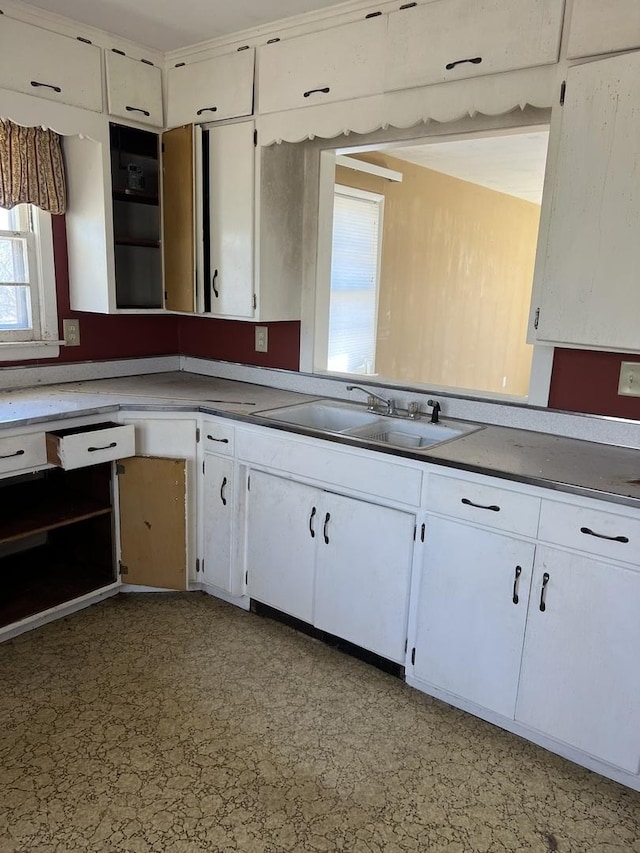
[(47, 512), (133, 241), (136, 196)]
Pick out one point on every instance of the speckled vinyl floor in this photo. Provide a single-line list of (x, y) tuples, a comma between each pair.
[(181, 724)]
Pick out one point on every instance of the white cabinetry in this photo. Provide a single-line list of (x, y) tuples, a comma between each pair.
[(49, 65), (580, 681), (134, 89), (452, 39), (598, 27), (211, 90), (471, 613), (331, 65), (587, 293)]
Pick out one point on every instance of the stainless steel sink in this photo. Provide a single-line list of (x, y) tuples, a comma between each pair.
[(356, 421)]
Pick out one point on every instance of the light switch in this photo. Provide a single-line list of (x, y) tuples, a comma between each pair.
[(262, 339), (629, 384)]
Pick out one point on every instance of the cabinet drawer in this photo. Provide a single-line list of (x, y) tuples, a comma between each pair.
[(89, 445), (134, 89), (218, 438), (22, 451), (484, 503), (606, 534)]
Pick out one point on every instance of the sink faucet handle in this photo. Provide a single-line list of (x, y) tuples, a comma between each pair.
[(371, 402), (413, 410)]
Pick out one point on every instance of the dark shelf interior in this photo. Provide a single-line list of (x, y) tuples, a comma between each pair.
[(136, 196), (134, 241)]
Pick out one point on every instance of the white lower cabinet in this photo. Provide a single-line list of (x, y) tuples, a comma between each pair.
[(471, 613), (580, 680), (217, 519)]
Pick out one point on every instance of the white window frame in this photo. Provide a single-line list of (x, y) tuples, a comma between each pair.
[(41, 341)]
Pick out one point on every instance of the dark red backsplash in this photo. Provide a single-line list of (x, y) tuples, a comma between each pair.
[(587, 381)]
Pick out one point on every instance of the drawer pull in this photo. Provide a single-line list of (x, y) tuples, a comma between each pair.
[(207, 110), (222, 488), (490, 507), (221, 440), (324, 91), (475, 61), (516, 597), (311, 517), (106, 447), (137, 110), (11, 455), (213, 284), (325, 531), (589, 532), (37, 85), (543, 592)]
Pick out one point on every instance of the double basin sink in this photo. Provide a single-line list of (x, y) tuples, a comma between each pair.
[(358, 422)]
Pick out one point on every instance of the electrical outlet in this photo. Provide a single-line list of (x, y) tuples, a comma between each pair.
[(71, 330), (262, 339), (629, 384)]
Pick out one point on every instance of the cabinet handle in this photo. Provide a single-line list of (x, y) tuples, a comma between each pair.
[(213, 284), (222, 488), (137, 110), (589, 532), (207, 110), (490, 507), (516, 597), (325, 531), (106, 447), (311, 517), (324, 91), (475, 61), (221, 440), (543, 592), (10, 455), (37, 85)]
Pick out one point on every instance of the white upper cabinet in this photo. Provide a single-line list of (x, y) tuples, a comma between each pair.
[(330, 65), (211, 90), (589, 293), (134, 89), (598, 27), (453, 39), (50, 65)]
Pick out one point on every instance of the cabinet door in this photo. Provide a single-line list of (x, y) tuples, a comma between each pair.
[(331, 65), (211, 90), (471, 615), (452, 39), (153, 528), (134, 89), (589, 288), (50, 65), (580, 680), (364, 569), (217, 519), (179, 218), (598, 27), (282, 528), (231, 205)]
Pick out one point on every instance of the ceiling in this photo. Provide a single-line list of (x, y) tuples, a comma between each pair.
[(167, 24), (512, 164)]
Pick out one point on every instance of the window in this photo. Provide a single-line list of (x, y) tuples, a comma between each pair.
[(28, 319), (355, 274)]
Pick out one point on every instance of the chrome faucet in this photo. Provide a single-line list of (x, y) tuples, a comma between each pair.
[(389, 404)]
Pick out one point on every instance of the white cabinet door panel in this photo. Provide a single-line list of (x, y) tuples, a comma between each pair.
[(363, 573), (281, 539), (598, 27), (211, 90), (330, 65), (49, 65), (589, 289), (471, 615), (217, 518), (580, 680), (134, 89), (453, 39)]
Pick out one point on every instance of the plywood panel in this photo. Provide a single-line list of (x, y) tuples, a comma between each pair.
[(153, 521), (178, 228)]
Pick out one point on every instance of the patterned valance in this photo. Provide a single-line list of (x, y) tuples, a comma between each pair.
[(31, 168)]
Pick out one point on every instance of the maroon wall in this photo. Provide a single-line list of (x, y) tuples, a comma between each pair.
[(234, 340), (586, 381)]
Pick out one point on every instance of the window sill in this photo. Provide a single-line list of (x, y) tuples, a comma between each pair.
[(25, 350)]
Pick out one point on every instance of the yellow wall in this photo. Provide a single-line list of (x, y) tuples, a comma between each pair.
[(457, 268)]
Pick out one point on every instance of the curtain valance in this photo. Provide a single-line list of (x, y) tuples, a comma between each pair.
[(31, 168)]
